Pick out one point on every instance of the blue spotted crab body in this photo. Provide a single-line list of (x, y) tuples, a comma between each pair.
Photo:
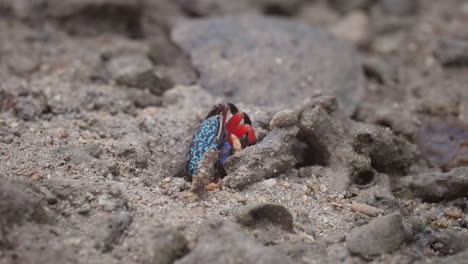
[(214, 131)]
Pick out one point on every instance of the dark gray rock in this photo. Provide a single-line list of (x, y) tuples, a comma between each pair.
[(382, 235), (437, 186), (400, 7), (109, 232), (30, 106), (271, 213), (250, 57), (225, 242), (164, 246), (267, 159), (136, 70), (389, 153), (452, 52)]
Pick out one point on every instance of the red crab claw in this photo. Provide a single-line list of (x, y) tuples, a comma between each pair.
[(239, 130)]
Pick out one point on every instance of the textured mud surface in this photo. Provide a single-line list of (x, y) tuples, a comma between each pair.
[(360, 108)]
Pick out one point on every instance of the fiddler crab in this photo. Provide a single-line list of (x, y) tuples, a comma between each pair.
[(226, 136)]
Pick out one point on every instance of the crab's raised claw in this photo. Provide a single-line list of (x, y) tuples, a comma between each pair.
[(234, 121), (245, 129)]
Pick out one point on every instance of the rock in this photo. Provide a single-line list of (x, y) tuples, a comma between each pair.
[(235, 54), (136, 70), (437, 186), (354, 27), (269, 183), (389, 153), (109, 232), (164, 245), (272, 213), (170, 60), (328, 140), (452, 52), (382, 235), (284, 118), (225, 242), (400, 7), (31, 105), (266, 159), (365, 209)]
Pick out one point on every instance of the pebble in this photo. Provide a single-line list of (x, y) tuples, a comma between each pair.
[(269, 183), (454, 213), (382, 235), (354, 27), (365, 209)]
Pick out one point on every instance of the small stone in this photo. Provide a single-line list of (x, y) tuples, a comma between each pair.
[(443, 222), (452, 52), (31, 106), (164, 245), (454, 213), (382, 235), (354, 27), (269, 183), (85, 209), (283, 119), (365, 209), (272, 213)]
